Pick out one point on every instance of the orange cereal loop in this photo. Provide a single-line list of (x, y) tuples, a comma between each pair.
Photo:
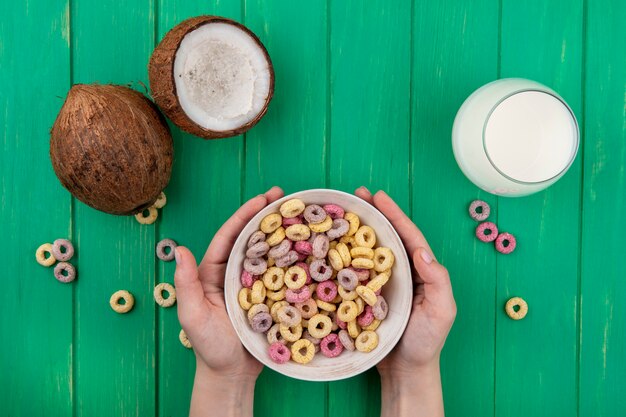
[(322, 227), (158, 294), (298, 232), (276, 295), (320, 326), (302, 351), (365, 236), (149, 218), (41, 257), (122, 301), (362, 263), (271, 222), (354, 222), (362, 252), (360, 303), (383, 259), (378, 281), (366, 341), (335, 260), (323, 305), (273, 278), (345, 294), (522, 308), (291, 208), (184, 340), (291, 334), (276, 237), (366, 294), (244, 298)]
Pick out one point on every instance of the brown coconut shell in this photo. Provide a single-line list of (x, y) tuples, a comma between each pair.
[(111, 148), (163, 86)]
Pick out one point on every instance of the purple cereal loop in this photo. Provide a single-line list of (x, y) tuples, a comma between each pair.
[(320, 246), (290, 221), (289, 316), (320, 271), (280, 250), (380, 309), (258, 250), (160, 250), (487, 232), (62, 250), (326, 291), (314, 214), (334, 211), (303, 247), (256, 266), (261, 322), (361, 274), (298, 296), (279, 353), (339, 228), (273, 335), (316, 342), (501, 243), (346, 340), (255, 238), (68, 268), (330, 346), (366, 317), (290, 258), (312, 237), (305, 266), (247, 279), (348, 279), (485, 210)]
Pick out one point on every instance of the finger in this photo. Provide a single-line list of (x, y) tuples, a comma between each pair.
[(274, 194), (411, 236), (363, 193), (437, 286), (189, 293)]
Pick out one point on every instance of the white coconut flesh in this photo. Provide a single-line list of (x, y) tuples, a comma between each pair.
[(222, 77)]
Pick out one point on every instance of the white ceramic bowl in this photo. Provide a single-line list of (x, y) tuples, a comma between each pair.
[(398, 292)]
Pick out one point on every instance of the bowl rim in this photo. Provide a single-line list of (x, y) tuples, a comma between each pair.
[(230, 269)]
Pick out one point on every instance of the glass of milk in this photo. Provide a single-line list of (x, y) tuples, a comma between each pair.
[(514, 137)]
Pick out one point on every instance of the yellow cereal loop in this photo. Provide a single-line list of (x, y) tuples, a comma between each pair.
[(362, 263), (41, 253), (271, 222), (290, 334), (347, 240), (298, 232), (291, 208), (295, 277), (271, 262), (354, 329), (359, 303), (366, 341), (354, 222), (347, 311), (302, 351), (362, 252), (273, 278), (333, 244), (365, 236), (335, 259), (274, 309), (383, 259), (276, 295), (256, 309), (269, 302), (337, 299), (366, 294), (276, 237), (378, 281), (320, 326), (184, 340), (313, 287), (322, 227), (344, 253), (323, 305), (153, 213), (373, 326), (345, 294), (244, 299), (258, 292), (304, 323)]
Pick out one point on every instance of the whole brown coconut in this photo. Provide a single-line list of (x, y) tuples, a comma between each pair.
[(212, 77), (111, 148)]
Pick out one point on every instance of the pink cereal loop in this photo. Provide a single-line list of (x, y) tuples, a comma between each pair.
[(483, 235), (362, 274), (291, 221), (334, 211), (366, 317), (279, 353), (326, 291), (510, 246), (342, 324), (330, 346), (305, 266), (247, 279), (298, 296), (303, 247)]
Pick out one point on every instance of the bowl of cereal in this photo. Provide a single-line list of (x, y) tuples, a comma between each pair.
[(318, 286)]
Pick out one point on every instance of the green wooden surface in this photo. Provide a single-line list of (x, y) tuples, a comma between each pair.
[(366, 94)]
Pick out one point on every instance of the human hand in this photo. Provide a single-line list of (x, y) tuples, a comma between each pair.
[(201, 308)]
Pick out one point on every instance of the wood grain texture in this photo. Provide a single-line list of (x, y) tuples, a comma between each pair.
[(115, 354), (455, 51), (287, 147), (603, 288), (203, 192), (536, 358), (36, 313)]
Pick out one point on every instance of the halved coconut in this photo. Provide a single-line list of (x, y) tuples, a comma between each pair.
[(212, 77)]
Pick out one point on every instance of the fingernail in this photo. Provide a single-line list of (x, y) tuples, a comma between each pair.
[(426, 256), (364, 188), (176, 256)]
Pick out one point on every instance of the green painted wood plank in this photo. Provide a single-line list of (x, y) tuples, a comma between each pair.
[(111, 42), (36, 314), (603, 288), (369, 145), (536, 357), (203, 193), (286, 148), (454, 52)]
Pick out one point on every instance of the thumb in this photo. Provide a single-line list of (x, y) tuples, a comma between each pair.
[(189, 292), (437, 286)]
